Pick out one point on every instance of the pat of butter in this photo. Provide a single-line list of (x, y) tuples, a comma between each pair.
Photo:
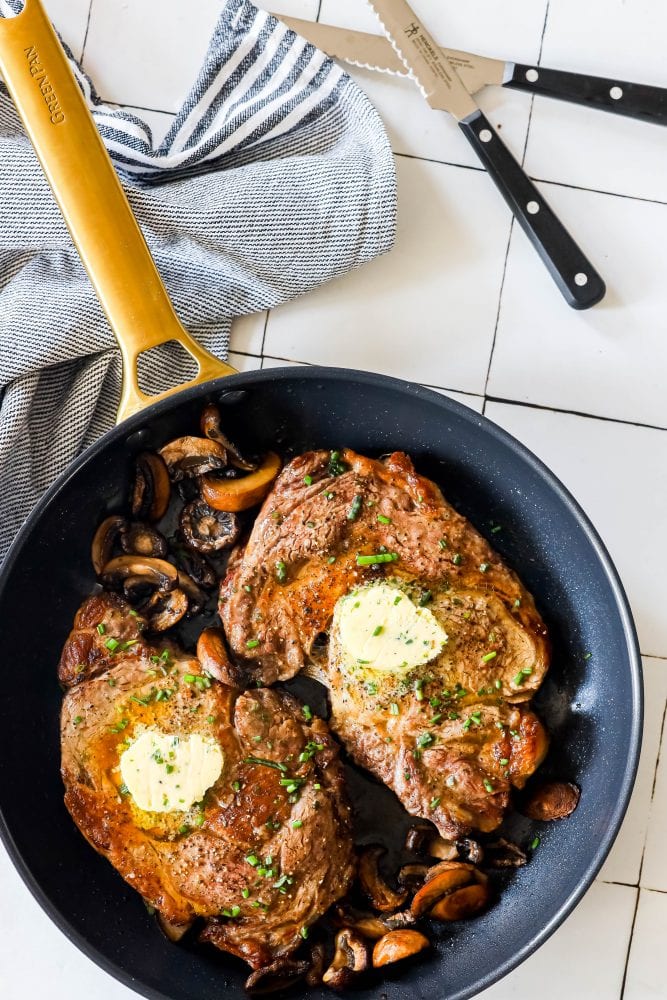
[(167, 773), (380, 628)]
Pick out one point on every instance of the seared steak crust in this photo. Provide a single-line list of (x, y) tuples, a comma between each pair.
[(312, 527), (194, 865)]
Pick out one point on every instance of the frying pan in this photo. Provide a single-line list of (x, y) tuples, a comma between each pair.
[(592, 704)]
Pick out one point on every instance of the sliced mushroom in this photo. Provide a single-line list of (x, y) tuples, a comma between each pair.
[(397, 945), (350, 958), (452, 891), (412, 876), (214, 659), (210, 426), (469, 850), (196, 566), (422, 838), (372, 925), (165, 609), (278, 975), (206, 529), (157, 572), (138, 538), (383, 897), (151, 490), (104, 540), (240, 494), (192, 456), (173, 931), (504, 854), (195, 595), (316, 966), (138, 590), (555, 800)]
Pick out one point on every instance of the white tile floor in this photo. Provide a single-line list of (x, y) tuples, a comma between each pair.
[(463, 304)]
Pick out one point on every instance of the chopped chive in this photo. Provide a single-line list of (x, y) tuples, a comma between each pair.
[(504, 762), (393, 708), (498, 684), (535, 843), (434, 803), (587, 656), (398, 599), (308, 480), (307, 712), (384, 520), (252, 643), (317, 786), (496, 529), (189, 678), (425, 599), (112, 644), (443, 543), (425, 740), (331, 560), (457, 559), (526, 671), (378, 630), (488, 785), (483, 567), (297, 824), (489, 656), (519, 679), (111, 681), (304, 933), (252, 859), (236, 785), (376, 558), (436, 719), (245, 893), (247, 588), (101, 628), (281, 571), (355, 508), (77, 720), (371, 686), (139, 701), (517, 603)]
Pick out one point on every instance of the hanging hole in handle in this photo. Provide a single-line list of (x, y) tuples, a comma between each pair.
[(486, 135), (164, 366), (581, 279), (616, 93), (532, 75)]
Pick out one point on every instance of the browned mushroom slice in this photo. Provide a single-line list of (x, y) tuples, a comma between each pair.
[(208, 530), (350, 958), (504, 854), (214, 659), (195, 595), (412, 876), (397, 945), (469, 850), (278, 975), (165, 609), (151, 489), (104, 539), (383, 897), (316, 967), (173, 931), (422, 838), (555, 800), (157, 572), (210, 426), (452, 891), (196, 566), (241, 494), (141, 539), (371, 925), (193, 456)]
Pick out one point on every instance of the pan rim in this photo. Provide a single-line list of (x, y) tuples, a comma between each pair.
[(523, 454)]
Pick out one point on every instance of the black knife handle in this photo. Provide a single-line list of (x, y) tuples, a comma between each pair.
[(634, 100), (579, 282)]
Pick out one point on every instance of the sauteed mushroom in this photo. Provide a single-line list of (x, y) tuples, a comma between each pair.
[(151, 490), (317, 961), (422, 838), (382, 896), (208, 530), (210, 426), (103, 541), (452, 891), (504, 854), (397, 945), (157, 572), (278, 975), (350, 958), (196, 566), (412, 876), (469, 850), (555, 800), (372, 925), (240, 494), (192, 456), (196, 597), (165, 609), (214, 658), (140, 539)]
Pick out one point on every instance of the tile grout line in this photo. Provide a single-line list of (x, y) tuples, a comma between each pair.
[(85, 36), (573, 413), (509, 238), (266, 325), (630, 940)]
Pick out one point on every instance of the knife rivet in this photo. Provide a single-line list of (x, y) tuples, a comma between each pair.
[(532, 207), (616, 93), (581, 279), (486, 135), (532, 75)]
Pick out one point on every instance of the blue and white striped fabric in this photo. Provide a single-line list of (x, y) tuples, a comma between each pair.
[(275, 176)]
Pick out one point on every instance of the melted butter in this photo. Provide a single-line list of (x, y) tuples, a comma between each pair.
[(167, 773), (381, 629)]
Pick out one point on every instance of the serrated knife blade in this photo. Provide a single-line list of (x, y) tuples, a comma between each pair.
[(359, 48)]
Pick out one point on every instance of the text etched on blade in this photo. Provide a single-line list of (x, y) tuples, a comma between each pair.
[(39, 75)]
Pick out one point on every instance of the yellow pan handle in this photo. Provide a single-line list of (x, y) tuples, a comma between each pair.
[(92, 201)]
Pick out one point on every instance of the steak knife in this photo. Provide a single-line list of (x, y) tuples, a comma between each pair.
[(443, 89), (634, 100)]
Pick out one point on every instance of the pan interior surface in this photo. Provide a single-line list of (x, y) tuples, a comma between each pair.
[(590, 703)]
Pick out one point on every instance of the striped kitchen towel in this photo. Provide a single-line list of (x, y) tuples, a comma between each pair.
[(275, 175)]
